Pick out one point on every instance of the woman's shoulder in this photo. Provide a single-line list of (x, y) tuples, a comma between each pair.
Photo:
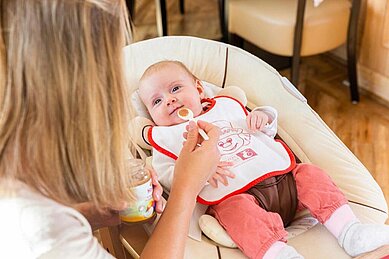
[(36, 223), (26, 204)]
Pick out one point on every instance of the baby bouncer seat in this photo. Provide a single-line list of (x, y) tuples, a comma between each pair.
[(311, 140)]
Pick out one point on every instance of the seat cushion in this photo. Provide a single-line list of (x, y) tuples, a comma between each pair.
[(270, 24)]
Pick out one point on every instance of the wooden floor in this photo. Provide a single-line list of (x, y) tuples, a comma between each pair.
[(363, 127)]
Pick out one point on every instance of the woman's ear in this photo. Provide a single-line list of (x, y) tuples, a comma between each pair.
[(200, 88)]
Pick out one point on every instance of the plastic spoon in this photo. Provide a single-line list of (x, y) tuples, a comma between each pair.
[(187, 114)]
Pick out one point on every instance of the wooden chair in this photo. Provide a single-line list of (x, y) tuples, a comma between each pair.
[(296, 28)]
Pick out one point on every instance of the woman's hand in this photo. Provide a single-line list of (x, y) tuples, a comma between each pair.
[(157, 192), (198, 159)]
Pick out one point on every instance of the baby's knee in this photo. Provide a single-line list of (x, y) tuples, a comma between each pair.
[(309, 171)]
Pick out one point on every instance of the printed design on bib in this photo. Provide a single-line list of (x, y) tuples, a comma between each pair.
[(234, 143), (246, 154)]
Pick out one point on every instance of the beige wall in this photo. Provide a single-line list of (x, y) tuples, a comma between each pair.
[(373, 49), (373, 62)]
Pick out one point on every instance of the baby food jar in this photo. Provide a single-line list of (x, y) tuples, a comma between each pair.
[(142, 209)]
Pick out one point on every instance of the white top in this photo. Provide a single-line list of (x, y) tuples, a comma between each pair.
[(33, 226)]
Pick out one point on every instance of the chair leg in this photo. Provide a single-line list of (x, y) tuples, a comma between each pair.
[(164, 17), (236, 40), (298, 36), (131, 8), (351, 50), (161, 17), (295, 69), (223, 17), (111, 241), (182, 6)]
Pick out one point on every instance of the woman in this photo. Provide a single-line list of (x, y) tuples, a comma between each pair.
[(63, 132)]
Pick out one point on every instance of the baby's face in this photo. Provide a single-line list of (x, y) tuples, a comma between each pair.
[(167, 90)]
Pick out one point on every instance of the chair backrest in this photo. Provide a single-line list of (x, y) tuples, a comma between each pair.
[(270, 25)]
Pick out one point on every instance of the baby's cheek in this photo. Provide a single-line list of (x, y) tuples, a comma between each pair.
[(197, 109), (161, 120)]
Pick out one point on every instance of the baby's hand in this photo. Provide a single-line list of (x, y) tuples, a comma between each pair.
[(256, 120), (221, 174)]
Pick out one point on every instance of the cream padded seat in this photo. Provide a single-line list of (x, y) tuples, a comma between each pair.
[(271, 24), (299, 126), (296, 28)]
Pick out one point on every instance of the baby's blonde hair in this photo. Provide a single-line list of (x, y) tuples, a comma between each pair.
[(63, 100), (161, 64)]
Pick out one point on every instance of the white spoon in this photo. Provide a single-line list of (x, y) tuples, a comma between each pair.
[(187, 114)]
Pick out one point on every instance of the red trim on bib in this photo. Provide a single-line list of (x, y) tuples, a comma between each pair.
[(260, 179), (159, 148), (208, 107)]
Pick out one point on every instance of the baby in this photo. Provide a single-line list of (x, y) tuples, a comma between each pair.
[(250, 157)]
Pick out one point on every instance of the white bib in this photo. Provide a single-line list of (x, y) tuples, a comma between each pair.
[(255, 156)]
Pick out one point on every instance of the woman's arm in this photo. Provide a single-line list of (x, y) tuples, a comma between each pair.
[(193, 168), (99, 218)]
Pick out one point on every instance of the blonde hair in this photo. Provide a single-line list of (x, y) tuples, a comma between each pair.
[(161, 64), (63, 100)]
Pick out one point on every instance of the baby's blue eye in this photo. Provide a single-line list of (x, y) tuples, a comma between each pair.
[(156, 101), (175, 88)]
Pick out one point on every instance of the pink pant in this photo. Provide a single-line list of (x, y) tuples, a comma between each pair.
[(254, 230)]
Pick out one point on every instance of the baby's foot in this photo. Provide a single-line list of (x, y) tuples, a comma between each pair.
[(357, 238), (288, 252)]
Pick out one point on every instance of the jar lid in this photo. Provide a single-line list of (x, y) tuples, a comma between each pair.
[(136, 170)]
